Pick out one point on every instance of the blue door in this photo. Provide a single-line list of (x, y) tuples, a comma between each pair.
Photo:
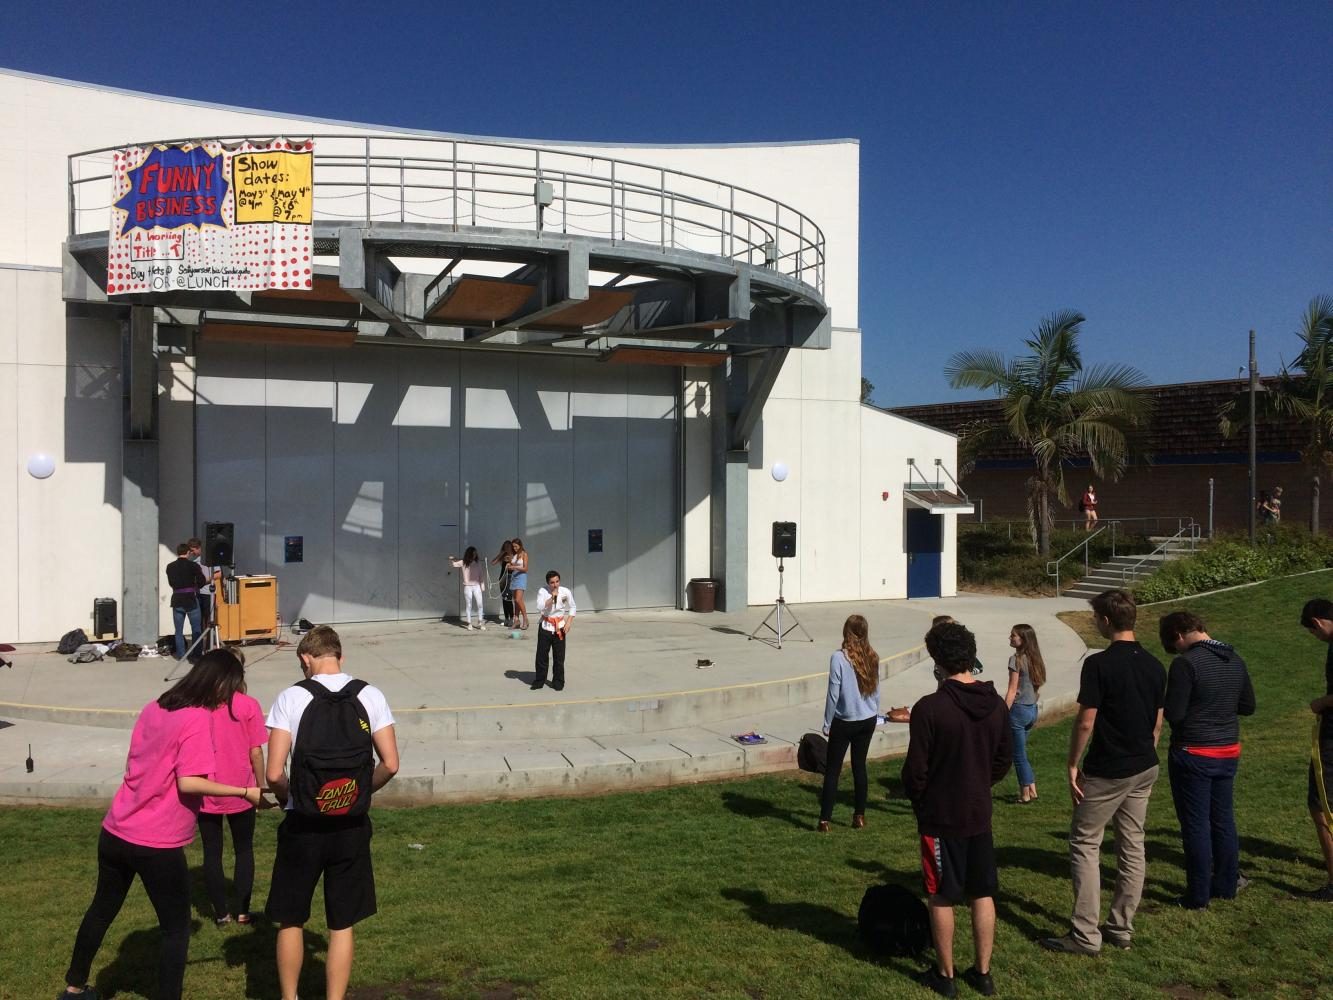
[(925, 543)]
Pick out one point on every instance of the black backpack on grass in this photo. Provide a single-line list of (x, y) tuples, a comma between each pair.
[(333, 757), (812, 753)]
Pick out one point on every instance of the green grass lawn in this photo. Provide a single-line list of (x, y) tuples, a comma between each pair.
[(724, 890)]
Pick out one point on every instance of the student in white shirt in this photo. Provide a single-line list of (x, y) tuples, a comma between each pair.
[(555, 605)]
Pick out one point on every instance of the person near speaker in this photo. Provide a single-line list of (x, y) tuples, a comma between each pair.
[(206, 588), (185, 578), (555, 605), (851, 712)]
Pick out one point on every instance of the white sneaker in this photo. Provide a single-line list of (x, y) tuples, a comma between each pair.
[(469, 626), (482, 627)]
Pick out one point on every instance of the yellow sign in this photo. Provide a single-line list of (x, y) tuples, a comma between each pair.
[(273, 186)]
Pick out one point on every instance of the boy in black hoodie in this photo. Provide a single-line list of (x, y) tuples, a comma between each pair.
[(960, 747)]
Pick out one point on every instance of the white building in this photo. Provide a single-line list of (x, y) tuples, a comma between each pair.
[(626, 364)]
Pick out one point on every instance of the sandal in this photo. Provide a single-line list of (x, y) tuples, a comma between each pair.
[(243, 919)]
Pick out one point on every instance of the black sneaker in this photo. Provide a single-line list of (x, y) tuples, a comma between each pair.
[(88, 993), (933, 979), (980, 981), (1324, 895)]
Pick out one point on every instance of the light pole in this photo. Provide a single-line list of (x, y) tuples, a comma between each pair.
[(1254, 389)]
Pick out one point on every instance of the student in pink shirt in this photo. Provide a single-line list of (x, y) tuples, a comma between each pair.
[(169, 769), (239, 738)]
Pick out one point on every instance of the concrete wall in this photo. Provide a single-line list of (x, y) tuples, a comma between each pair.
[(59, 388), (385, 461)]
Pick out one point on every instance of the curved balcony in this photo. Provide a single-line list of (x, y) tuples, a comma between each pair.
[(463, 185)]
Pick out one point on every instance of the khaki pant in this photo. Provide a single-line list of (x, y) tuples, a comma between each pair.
[(1123, 802)]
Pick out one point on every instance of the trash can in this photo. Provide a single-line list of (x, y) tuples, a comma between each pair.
[(703, 594)]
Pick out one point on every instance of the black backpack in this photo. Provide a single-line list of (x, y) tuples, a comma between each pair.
[(333, 759), (72, 640), (812, 753), (893, 922)]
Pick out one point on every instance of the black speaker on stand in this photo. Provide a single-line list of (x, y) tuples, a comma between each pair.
[(784, 547), (219, 545)]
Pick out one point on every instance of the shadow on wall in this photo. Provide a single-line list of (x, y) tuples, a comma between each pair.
[(386, 462)]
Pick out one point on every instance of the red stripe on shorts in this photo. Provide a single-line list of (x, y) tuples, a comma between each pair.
[(930, 864)]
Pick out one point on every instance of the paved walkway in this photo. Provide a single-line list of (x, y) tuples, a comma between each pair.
[(637, 710)]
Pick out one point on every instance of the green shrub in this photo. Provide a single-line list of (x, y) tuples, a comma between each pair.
[(1230, 560), (989, 556)]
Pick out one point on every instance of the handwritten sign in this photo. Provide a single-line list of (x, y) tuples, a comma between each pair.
[(199, 216), (273, 187)]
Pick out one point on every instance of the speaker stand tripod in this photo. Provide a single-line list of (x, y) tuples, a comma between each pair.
[(209, 635), (779, 610)]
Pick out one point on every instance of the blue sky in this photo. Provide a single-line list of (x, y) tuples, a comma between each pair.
[(1165, 168)]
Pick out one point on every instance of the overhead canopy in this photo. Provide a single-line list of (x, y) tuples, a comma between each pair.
[(938, 501)]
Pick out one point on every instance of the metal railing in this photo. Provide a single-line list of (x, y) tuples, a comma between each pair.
[(1190, 532), (1053, 567), (1148, 524), (465, 183)]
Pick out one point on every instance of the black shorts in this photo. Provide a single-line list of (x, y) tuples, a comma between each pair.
[(337, 849), (1312, 789), (959, 868)]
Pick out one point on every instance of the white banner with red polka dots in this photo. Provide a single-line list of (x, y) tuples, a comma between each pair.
[(208, 216)]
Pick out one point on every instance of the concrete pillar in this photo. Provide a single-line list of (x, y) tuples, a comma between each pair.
[(139, 480), (730, 504)]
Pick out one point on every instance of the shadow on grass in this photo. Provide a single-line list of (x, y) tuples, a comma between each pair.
[(254, 950), (752, 807), (134, 969)]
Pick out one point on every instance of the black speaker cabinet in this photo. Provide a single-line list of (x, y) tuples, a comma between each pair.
[(784, 539), (218, 543), (104, 617)]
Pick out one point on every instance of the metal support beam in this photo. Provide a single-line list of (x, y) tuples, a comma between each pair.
[(139, 480), (564, 283), (373, 281), (756, 396)]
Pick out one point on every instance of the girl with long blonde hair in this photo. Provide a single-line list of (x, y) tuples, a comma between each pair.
[(1027, 673), (850, 714)]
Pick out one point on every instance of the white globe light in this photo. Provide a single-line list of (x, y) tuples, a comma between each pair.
[(41, 466), (780, 471)]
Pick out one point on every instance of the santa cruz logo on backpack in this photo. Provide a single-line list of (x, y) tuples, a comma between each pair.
[(333, 759)]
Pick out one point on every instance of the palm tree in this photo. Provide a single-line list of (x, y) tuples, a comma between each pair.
[(1303, 391), (1055, 409)]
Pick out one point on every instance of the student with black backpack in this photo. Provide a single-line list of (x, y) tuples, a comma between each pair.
[(333, 726)]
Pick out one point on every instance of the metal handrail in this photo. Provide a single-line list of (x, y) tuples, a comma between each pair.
[(397, 178), (1074, 524), (1053, 567), (1128, 573)]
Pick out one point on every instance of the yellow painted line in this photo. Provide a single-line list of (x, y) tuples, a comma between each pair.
[(68, 708)]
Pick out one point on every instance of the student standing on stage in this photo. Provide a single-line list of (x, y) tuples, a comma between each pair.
[(555, 605), (185, 578)]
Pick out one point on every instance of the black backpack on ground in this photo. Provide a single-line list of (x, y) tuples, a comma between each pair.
[(332, 759), (812, 753), (893, 922), (71, 641)]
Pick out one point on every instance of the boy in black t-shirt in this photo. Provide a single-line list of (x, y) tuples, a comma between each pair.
[(1317, 618), (1120, 700)]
